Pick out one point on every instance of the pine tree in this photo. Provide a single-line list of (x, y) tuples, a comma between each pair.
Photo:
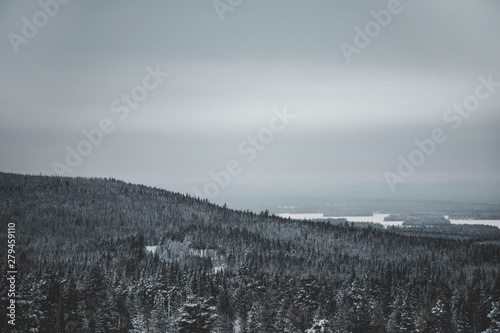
[(320, 326), (439, 323), (196, 315), (494, 316), (139, 323), (407, 320), (459, 313), (395, 316), (255, 319), (283, 322), (307, 301), (159, 314)]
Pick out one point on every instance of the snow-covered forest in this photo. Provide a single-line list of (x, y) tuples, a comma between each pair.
[(83, 267)]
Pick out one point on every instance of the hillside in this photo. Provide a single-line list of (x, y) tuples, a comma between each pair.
[(83, 267)]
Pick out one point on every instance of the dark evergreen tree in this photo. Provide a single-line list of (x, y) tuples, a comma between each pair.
[(196, 316)]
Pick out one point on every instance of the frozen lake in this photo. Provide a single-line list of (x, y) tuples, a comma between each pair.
[(379, 218), (495, 223)]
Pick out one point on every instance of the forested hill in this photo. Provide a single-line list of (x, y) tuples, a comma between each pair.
[(83, 267)]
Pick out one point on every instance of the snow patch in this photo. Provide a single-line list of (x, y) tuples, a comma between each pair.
[(218, 269), (151, 249)]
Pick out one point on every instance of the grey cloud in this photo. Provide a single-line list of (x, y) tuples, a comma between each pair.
[(353, 120)]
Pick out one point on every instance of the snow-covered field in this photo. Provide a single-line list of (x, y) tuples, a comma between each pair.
[(151, 249)]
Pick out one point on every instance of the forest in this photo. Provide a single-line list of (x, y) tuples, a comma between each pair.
[(102, 255)]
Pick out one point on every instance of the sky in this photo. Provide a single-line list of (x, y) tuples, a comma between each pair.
[(239, 95)]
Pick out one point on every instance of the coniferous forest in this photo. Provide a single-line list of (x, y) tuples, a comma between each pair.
[(101, 255)]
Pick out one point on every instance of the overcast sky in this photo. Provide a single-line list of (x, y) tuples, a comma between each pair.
[(228, 77)]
